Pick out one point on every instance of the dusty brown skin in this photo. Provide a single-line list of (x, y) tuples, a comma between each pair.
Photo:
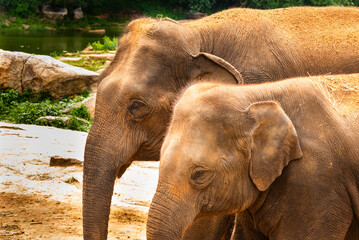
[(278, 154), (156, 58)]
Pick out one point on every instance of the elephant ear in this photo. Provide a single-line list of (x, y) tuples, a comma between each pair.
[(275, 143), (215, 68)]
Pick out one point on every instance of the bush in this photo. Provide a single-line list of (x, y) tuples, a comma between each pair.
[(22, 8), (81, 112), (56, 54), (109, 44), (26, 108), (29, 112), (198, 5)]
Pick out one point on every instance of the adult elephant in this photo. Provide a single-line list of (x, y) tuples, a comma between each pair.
[(156, 58), (279, 154)]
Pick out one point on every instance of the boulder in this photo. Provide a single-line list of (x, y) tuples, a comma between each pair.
[(98, 31), (20, 71), (11, 66), (78, 14), (64, 162), (100, 70), (63, 119), (51, 14), (69, 59), (108, 56), (88, 49), (50, 28), (25, 26), (89, 104)]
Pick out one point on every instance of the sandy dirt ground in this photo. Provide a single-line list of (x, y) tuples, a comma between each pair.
[(42, 202)]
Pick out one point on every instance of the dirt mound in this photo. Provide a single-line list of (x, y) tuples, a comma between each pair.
[(39, 217), (39, 201)]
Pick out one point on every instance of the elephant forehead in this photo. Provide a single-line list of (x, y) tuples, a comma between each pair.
[(183, 153)]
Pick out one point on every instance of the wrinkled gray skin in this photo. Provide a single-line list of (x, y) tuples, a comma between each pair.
[(157, 58), (278, 154)]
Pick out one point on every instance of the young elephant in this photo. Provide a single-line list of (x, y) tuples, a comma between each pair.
[(276, 154)]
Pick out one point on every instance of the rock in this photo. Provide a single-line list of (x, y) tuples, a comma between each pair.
[(63, 119), (51, 14), (11, 66), (50, 29), (196, 15), (101, 56), (70, 59), (78, 14), (7, 23), (63, 162), (20, 71), (70, 107), (100, 70), (89, 104), (25, 26), (98, 31), (88, 49)]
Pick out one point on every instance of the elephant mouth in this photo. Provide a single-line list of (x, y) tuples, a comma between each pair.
[(147, 154)]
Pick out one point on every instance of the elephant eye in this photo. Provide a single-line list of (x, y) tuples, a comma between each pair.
[(136, 105), (138, 109), (200, 178), (197, 174)]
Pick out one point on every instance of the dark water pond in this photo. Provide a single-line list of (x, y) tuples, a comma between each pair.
[(47, 42)]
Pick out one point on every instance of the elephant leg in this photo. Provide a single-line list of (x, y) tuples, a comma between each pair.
[(210, 228)]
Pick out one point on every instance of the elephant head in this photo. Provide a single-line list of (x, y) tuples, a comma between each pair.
[(133, 106), (217, 157)]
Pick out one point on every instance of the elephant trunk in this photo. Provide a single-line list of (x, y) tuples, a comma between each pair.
[(104, 158), (168, 218)]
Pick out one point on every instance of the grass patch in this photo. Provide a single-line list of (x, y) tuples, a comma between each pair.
[(26, 108), (15, 24), (89, 64)]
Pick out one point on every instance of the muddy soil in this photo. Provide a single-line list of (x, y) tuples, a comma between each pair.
[(39, 217)]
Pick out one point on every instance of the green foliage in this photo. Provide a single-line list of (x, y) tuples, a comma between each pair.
[(108, 44), (29, 112), (89, 64), (158, 8), (26, 108), (56, 54), (75, 124), (85, 93), (198, 5), (173, 8), (70, 5), (22, 8), (81, 112)]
